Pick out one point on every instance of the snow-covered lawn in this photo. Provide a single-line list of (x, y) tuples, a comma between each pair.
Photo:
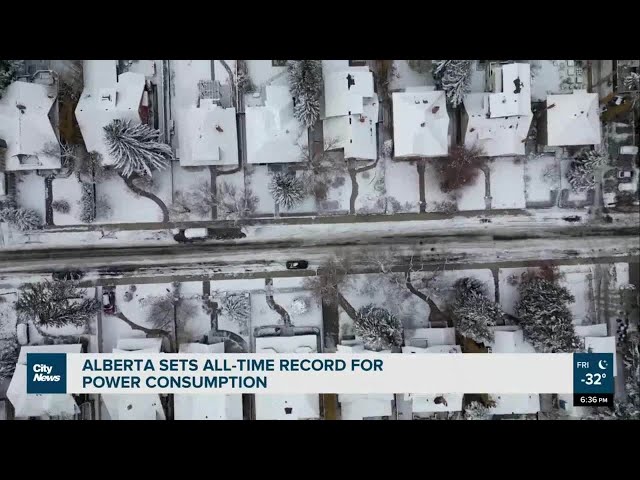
[(406, 77), (508, 281), (257, 177), (402, 185), (126, 206), (136, 310), (541, 176), (8, 317), (578, 279), (436, 200), (507, 183), (193, 321), (289, 292), (262, 72), (339, 193), (371, 188), (545, 79), (221, 73), (30, 192), (471, 197), (185, 181), (69, 189)]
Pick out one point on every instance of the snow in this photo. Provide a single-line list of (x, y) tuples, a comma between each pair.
[(515, 404), (259, 178), (344, 98), (308, 205), (273, 134), (420, 124), (432, 336), (508, 99), (126, 206), (371, 185), (406, 77), (478, 78), (220, 72), (537, 188), (361, 407), (31, 192), (193, 321), (8, 315), (545, 79), (507, 183), (433, 195), (402, 184), (262, 72), (339, 192), (69, 189), (185, 77), (187, 180), (471, 197), (508, 288), (565, 165), (578, 279), (574, 119), (356, 134), (105, 99), (27, 131)]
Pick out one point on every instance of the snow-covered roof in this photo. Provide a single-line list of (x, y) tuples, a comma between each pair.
[(36, 405), (515, 404), (206, 406), (434, 336), (512, 91), (105, 99), (425, 403), (496, 136), (595, 330), (573, 119), (273, 133), (356, 134), (420, 124), (287, 407), (207, 135), (135, 406), (26, 128), (345, 91), (509, 339)]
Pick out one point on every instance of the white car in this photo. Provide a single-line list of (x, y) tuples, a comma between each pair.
[(22, 333)]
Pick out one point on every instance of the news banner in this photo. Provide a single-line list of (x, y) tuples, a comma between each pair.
[(589, 376)]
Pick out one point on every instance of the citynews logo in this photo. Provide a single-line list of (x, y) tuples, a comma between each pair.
[(46, 373)]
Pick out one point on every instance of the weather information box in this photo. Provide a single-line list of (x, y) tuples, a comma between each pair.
[(593, 382)]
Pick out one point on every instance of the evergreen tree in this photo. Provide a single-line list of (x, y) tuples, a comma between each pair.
[(9, 352), (305, 83), (476, 411), (378, 328), (61, 206), (581, 173), (136, 148), (87, 204), (55, 304), (473, 311), (8, 73), (23, 219), (237, 308), (632, 81), (545, 316), (454, 77), (287, 190)]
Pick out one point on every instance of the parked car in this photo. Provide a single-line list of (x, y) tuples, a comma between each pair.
[(109, 300), (196, 233), (67, 275), (625, 176), (297, 264), (22, 333)]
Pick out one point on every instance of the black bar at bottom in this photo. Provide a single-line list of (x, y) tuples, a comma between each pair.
[(593, 400)]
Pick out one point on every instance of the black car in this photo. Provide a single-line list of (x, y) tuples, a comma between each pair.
[(67, 275), (109, 300), (297, 264)]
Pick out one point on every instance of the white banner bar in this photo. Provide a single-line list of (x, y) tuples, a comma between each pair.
[(431, 373)]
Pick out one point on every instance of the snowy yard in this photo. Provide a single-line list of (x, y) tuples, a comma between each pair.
[(192, 320), (403, 76), (371, 189), (402, 186), (8, 317), (339, 193), (186, 180), (541, 177), (555, 76), (31, 192), (70, 190), (507, 183), (257, 178), (579, 280), (435, 198), (262, 73), (471, 197)]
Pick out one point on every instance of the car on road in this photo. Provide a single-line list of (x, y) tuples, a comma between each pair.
[(191, 235), (297, 264), (67, 275), (109, 300)]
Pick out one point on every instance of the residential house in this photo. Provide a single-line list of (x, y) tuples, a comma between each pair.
[(499, 121), (351, 112), (363, 406), (146, 406), (206, 406), (106, 97), (287, 407), (573, 119), (274, 135), (26, 129), (40, 405), (420, 123)]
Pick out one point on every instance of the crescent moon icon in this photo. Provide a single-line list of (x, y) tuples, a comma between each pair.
[(600, 365)]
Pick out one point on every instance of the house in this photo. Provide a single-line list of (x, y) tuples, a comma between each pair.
[(420, 123), (274, 135), (573, 119), (287, 407), (107, 97), (351, 112), (427, 404), (135, 406), (363, 406), (207, 135), (25, 127), (206, 406), (499, 121), (37, 405), (510, 339)]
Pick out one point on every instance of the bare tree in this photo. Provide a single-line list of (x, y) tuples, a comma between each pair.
[(460, 168), (68, 154), (322, 167), (332, 276), (232, 203)]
